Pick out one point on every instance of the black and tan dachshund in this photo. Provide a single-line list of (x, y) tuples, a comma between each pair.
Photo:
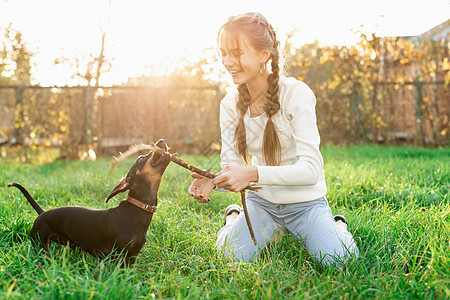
[(118, 230)]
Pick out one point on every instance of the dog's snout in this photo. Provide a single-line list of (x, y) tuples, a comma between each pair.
[(161, 159), (161, 143)]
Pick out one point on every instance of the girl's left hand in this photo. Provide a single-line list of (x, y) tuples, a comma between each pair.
[(236, 178)]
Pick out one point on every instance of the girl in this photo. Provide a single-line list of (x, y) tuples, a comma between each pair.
[(272, 118)]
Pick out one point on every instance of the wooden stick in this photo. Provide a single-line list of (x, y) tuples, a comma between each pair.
[(180, 162), (247, 218), (190, 167), (207, 174), (130, 152)]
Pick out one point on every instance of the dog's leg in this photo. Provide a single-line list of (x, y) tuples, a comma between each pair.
[(129, 261), (39, 239)]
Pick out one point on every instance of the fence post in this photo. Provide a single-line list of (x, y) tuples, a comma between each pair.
[(418, 111), (18, 116), (89, 114), (436, 116)]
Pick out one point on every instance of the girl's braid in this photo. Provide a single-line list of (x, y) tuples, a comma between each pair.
[(242, 104), (271, 143), (263, 34), (273, 105)]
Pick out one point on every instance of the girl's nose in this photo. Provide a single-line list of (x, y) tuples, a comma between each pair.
[(227, 61)]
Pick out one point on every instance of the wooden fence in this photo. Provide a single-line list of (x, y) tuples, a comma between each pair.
[(110, 119), (410, 113)]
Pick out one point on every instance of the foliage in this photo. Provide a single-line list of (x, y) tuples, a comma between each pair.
[(372, 91), (15, 65), (396, 201), (181, 107), (360, 88)]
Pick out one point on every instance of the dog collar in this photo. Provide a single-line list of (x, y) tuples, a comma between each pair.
[(148, 208)]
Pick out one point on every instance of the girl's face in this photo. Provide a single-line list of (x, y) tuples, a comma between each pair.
[(241, 60)]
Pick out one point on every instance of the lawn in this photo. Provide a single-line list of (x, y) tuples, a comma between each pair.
[(396, 199)]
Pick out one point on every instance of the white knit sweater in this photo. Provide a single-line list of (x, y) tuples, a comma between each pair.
[(300, 176)]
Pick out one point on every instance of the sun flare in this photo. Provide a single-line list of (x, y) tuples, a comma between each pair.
[(144, 37)]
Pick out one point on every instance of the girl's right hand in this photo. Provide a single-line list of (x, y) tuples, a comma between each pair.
[(201, 188)]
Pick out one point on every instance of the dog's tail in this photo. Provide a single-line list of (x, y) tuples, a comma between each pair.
[(27, 195)]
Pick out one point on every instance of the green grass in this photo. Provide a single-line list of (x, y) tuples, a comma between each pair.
[(396, 200)]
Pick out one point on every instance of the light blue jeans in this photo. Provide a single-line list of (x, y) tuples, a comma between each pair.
[(311, 222)]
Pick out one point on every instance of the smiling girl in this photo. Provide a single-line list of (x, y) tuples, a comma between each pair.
[(272, 118)]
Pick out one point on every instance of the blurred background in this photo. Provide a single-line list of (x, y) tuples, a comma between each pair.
[(95, 77)]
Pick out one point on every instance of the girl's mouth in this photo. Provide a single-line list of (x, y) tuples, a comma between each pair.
[(235, 73)]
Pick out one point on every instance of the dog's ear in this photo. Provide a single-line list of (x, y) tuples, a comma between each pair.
[(121, 187)]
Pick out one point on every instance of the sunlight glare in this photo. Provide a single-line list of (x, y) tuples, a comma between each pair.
[(148, 37)]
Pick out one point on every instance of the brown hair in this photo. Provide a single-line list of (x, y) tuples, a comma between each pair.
[(262, 36)]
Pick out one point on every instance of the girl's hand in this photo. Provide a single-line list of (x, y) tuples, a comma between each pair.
[(236, 178), (201, 188)]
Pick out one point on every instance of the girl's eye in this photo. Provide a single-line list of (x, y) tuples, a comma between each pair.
[(236, 53)]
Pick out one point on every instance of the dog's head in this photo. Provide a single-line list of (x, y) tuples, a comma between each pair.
[(144, 177)]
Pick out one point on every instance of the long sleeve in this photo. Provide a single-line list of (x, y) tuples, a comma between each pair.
[(300, 111), (300, 176)]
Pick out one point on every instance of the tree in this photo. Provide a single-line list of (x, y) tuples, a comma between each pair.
[(376, 88), (15, 62), (84, 115)]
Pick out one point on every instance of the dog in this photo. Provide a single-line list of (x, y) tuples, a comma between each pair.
[(118, 230)]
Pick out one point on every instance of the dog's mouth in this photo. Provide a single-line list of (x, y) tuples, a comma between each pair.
[(158, 159)]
